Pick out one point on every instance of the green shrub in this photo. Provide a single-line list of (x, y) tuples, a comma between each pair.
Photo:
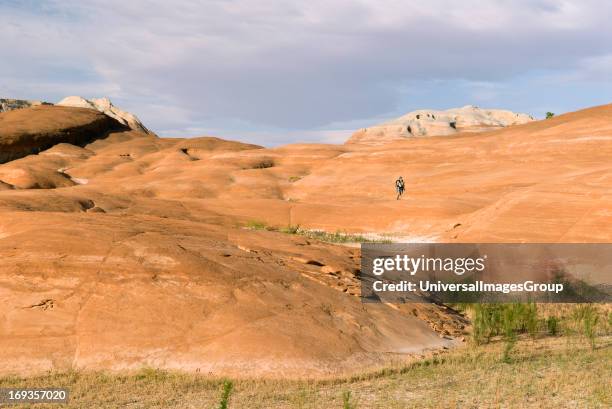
[(347, 402), (151, 374), (484, 320), (549, 115), (505, 320), (257, 225), (552, 325), (510, 320), (509, 342), (225, 395), (337, 237), (586, 317)]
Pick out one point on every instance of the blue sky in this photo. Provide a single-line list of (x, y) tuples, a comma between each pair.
[(280, 71)]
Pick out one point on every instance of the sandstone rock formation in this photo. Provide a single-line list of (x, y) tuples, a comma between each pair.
[(31, 130), (133, 250), (8, 104), (439, 123), (104, 105)]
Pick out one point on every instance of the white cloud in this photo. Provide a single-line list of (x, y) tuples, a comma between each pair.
[(595, 69), (291, 66)]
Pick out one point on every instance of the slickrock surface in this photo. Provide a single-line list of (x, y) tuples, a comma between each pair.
[(131, 250)]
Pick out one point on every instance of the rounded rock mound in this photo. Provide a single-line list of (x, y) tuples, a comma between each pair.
[(31, 130), (426, 122), (105, 106)]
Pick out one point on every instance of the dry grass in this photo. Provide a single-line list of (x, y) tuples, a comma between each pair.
[(335, 237), (551, 372)]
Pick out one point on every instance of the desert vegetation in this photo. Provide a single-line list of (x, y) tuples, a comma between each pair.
[(328, 237), (506, 322), (519, 356), (474, 376)]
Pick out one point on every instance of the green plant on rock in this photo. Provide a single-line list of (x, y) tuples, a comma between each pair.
[(225, 395), (347, 402)]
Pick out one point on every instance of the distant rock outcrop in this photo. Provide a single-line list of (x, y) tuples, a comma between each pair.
[(105, 106), (31, 130), (439, 123), (9, 104)]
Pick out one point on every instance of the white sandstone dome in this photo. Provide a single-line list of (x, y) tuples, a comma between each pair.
[(105, 106), (427, 122)]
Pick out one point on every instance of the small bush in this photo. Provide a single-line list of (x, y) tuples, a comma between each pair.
[(529, 314), (151, 374), (339, 237), (483, 321), (257, 225), (552, 325), (347, 402), (225, 395), (586, 317), (509, 342), (291, 229), (549, 115), (507, 320), (263, 164), (510, 316)]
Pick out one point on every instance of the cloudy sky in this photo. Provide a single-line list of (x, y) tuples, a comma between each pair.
[(279, 71)]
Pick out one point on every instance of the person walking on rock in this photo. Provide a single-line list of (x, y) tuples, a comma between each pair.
[(399, 187)]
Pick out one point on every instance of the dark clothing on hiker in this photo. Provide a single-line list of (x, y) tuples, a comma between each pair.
[(399, 187)]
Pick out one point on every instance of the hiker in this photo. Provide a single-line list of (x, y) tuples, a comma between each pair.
[(399, 187)]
